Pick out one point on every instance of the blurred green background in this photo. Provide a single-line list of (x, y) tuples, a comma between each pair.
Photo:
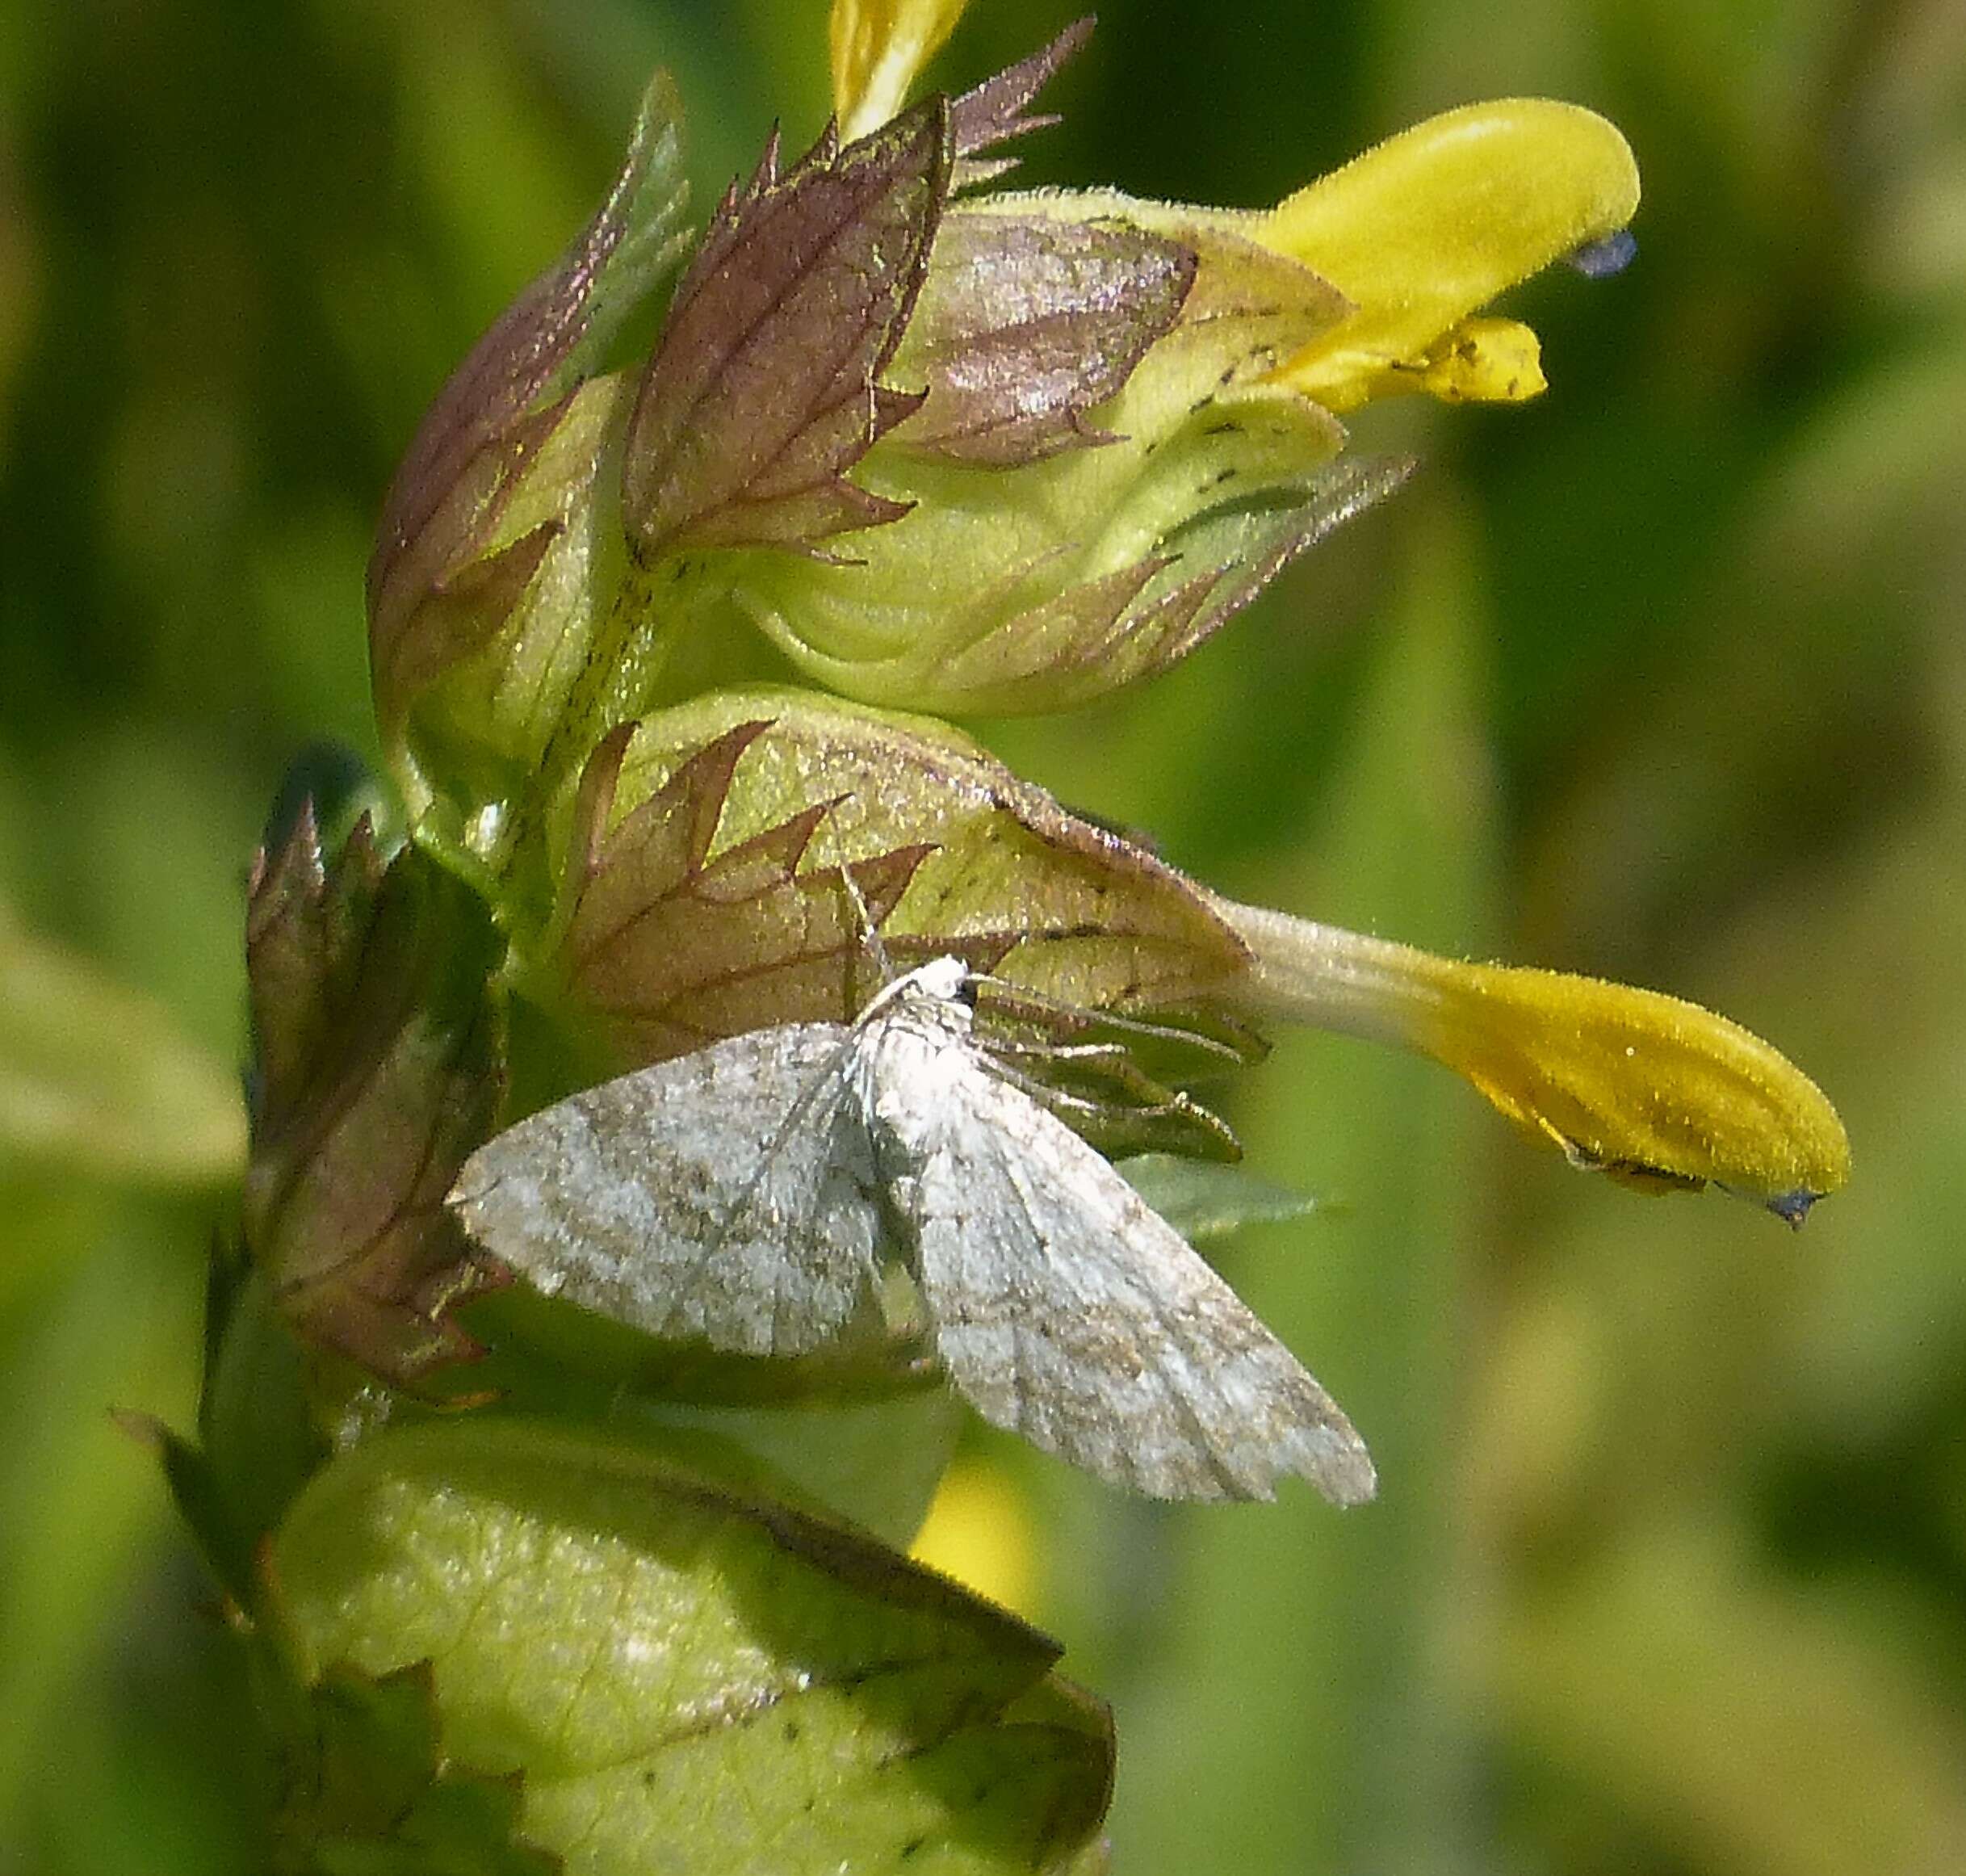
[(1660, 678)]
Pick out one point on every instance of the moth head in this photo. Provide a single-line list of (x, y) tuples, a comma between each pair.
[(950, 979)]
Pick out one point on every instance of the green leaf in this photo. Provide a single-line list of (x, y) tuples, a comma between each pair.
[(876, 1462), (862, 1429), (96, 1078), (257, 1441), (684, 1677)]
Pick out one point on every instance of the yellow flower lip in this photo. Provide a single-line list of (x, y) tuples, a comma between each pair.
[(1652, 1091), (1426, 228)]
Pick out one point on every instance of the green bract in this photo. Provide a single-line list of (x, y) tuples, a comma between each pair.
[(676, 1674)]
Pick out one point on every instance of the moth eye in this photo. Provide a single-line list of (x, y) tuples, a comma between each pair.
[(967, 990)]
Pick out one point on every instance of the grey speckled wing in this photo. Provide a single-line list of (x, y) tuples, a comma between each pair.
[(727, 1195), (1070, 1312)]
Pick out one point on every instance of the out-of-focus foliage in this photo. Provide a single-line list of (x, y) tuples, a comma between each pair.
[(1658, 678)]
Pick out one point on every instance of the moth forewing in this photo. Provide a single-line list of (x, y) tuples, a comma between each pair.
[(1064, 1307), (1069, 1311), (721, 1197)]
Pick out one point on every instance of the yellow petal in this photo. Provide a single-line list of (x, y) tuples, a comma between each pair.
[(1485, 361), (1655, 1092), (1425, 229), (878, 49)]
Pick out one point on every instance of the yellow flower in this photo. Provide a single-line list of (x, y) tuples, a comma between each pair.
[(1657, 1093), (878, 48), (1433, 224)]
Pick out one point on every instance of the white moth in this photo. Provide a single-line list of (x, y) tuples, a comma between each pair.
[(747, 1196)]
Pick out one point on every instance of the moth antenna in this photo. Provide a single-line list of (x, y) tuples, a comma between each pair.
[(870, 932)]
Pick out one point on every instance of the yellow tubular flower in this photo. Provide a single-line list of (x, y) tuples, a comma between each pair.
[(878, 48), (1655, 1092), (1429, 226)]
